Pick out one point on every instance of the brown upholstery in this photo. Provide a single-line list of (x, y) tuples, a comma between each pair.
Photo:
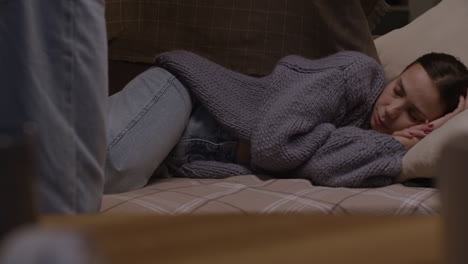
[(246, 36)]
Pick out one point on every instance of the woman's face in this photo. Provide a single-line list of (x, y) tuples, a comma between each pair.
[(410, 99)]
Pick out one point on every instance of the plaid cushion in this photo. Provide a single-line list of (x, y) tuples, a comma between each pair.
[(246, 36), (251, 194)]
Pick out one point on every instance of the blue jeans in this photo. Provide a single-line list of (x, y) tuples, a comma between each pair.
[(155, 122), (145, 121), (53, 71), (203, 139)]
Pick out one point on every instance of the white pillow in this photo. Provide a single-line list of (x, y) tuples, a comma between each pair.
[(441, 29)]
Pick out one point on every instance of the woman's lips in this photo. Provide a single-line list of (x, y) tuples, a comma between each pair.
[(378, 121)]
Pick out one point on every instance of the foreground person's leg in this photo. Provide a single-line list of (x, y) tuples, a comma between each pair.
[(53, 72)]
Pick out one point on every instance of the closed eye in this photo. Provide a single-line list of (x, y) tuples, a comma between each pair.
[(414, 113), (399, 89), (397, 92), (413, 117)]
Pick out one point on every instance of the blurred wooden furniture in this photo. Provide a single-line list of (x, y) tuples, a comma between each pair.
[(260, 238)]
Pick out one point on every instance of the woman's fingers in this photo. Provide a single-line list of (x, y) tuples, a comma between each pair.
[(417, 132), (403, 133), (412, 132), (423, 127), (460, 107), (461, 104)]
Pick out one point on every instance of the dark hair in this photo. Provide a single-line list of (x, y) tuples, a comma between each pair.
[(448, 73)]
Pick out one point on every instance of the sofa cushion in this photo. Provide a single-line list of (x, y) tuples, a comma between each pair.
[(253, 194)]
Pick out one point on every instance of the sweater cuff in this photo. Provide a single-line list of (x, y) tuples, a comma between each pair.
[(211, 170)]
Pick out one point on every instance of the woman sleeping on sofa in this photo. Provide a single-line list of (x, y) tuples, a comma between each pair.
[(330, 120)]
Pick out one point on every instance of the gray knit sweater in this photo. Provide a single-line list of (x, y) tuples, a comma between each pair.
[(307, 119)]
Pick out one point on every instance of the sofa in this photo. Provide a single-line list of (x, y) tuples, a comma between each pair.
[(249, 37)]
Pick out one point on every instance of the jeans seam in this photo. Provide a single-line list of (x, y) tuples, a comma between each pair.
[(72, 34), (142, 113)]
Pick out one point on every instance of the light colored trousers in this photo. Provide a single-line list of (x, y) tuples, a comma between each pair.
[(53, 71), (146, 120)]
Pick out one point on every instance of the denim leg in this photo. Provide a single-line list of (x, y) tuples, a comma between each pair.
[(145, 121), (204, 139), (53, 72)]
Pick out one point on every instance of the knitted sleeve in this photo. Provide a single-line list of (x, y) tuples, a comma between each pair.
[(353, 157), (211, 169), (297, 132), (231, 97)]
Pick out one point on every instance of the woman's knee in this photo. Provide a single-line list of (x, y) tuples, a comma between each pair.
[(144, 125)]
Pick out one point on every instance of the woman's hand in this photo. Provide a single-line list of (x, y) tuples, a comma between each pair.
[(419, 131), (412, 135), (462, 105)]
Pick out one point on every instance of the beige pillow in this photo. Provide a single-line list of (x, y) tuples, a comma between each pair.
[(441, 29), (421, 160)]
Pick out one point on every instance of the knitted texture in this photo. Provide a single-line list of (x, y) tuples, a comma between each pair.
[(211, 169), (307, 119)]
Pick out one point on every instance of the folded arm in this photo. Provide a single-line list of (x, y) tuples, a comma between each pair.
[(353, 157), (312, 131)]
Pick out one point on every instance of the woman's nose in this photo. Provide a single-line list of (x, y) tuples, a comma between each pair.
[(392, 111)]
